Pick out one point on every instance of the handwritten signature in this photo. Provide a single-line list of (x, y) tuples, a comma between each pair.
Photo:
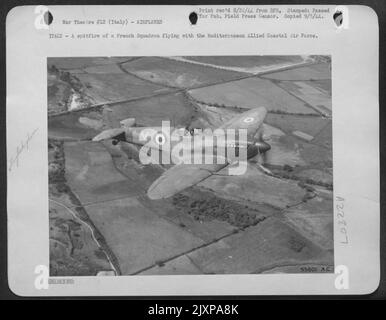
[(23, 146)]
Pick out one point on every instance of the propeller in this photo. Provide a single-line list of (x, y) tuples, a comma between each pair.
[(262, 146), (262, 149), (260, 157)]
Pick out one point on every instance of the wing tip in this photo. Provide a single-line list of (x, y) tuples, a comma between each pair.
[(155, 192), (97, 138), (157, 195), (153, 195)]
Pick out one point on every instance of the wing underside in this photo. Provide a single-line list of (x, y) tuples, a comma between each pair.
[(180, 177)]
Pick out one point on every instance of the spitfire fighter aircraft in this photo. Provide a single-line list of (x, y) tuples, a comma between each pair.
[(183, 175)]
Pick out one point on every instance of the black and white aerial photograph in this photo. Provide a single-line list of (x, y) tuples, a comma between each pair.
[(145, 177)]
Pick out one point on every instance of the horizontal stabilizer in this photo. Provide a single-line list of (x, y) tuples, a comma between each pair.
[(109, 134)]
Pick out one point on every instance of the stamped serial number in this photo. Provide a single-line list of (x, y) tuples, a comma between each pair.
[(341, 220)]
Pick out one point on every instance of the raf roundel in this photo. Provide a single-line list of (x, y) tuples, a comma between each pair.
[(249, 119)]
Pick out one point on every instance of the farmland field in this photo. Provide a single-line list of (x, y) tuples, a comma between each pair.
[(177, 74), (289, 123), (322, 85), (138, 236), (319, 71), (251, 93), (92, 175), (83, 62), (73, 250), (250, 64), (314, 97), (173, 107), (107, 87), (259, 248)]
